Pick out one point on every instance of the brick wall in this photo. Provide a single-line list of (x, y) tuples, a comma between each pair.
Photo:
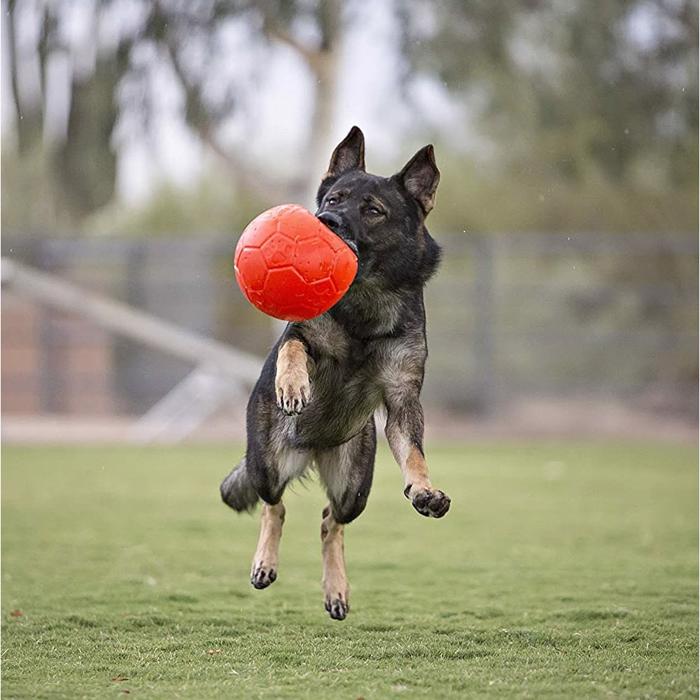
[(21, 356), (54, 362)]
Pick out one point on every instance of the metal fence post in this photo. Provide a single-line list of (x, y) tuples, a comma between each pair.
[(51, 382), (484, 321)]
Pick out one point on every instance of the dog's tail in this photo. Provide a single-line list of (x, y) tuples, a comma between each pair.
[(237, 489)]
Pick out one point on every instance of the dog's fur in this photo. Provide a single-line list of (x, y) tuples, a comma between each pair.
[(324, 379)]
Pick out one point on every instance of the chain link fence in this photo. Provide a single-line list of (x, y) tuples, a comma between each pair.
[(510, 316)]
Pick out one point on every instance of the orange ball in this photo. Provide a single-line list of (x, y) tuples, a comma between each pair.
[(292, 266)]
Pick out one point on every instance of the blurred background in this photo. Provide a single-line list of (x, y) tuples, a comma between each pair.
[(138, 139)]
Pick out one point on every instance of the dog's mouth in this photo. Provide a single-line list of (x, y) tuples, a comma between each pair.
[(352, 245), (337, 225)]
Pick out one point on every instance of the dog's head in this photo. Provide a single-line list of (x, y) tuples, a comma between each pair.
[(382, 219)]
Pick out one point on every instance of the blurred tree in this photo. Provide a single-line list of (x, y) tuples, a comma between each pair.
[(84, 163), (179, 27), (566, 91), (78, 165), (570, 86), (72, 166)]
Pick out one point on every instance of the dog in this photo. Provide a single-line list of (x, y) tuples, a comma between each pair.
[(321, 384)]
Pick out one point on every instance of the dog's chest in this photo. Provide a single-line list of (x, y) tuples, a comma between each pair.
[(368, 311), (351, 376), (346, 385)]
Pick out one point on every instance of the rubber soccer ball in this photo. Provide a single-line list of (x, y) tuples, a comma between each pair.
[(291, 266)]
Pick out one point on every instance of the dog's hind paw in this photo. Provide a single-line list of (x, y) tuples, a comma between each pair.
[(337, 608), (431, 504), (262, 576)]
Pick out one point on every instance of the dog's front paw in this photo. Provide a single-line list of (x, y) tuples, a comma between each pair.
[(429, 502), (293, 391)]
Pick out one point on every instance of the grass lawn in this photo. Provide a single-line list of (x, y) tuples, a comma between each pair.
[(563, 570)]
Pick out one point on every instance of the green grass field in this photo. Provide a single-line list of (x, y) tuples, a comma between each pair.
[(563, 570)]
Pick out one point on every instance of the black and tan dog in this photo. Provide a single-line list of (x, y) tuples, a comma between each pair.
[(323, 381)]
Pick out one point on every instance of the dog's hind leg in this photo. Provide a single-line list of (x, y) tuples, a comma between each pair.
[(346, 471), (271, 462), (336, 589), (273, 468), (264, 569)]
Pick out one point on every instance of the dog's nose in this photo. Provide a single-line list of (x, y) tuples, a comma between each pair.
[(333, 221)]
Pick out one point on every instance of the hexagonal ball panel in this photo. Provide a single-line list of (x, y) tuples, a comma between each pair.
[(278, 250), (325, 292), (251, 268), (344, 269), (284, 288), (294, 221), (313, 259)]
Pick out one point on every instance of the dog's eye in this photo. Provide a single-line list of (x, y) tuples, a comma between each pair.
[(332, 201), (374, 211)]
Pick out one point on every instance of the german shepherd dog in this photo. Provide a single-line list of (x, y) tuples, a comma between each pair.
[(321, 384)]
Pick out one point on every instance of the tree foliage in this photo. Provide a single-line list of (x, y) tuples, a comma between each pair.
[(567, 87), (572, 92)]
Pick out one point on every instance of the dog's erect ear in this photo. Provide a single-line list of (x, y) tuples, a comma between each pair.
[(420, 178), (349, 154)]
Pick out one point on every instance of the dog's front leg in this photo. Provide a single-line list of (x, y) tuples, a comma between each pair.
[(404, 431), (292, 385)]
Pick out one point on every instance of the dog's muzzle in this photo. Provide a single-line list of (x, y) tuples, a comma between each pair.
[(336, 224)]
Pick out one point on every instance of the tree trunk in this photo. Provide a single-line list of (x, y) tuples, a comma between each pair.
[(84, 166), (325, 68), (28, 118)]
